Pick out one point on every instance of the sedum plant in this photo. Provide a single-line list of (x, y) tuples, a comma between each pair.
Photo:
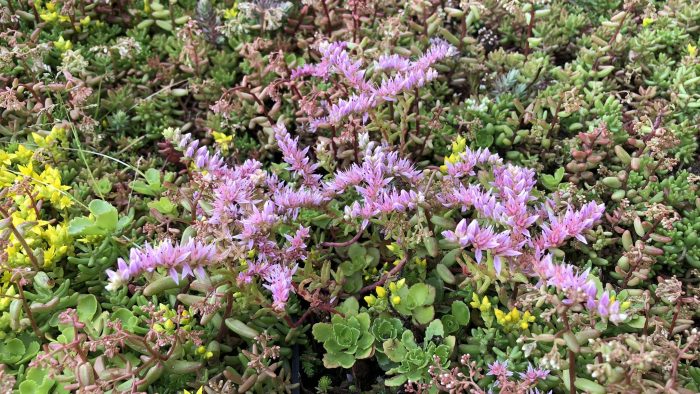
[(267, 196), (413, 360), (345, 339)]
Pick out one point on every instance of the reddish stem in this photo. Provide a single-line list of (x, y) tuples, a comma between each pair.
[(386, 276), (343, 243)]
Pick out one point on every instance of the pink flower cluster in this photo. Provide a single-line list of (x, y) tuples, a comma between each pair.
[(409, 75), (506, 204), (578, 288), (297, 159), (502, 226), (372, 180), (178, 260), (250, 205), (528, 379)]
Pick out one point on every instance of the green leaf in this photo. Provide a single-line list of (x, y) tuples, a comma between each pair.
[(129, 321), (435, 329), (165, 25), (163, 205), (364, 320), (344, 360), (241, 328), (357, 253), (552, 181), (161, 285), (349, 307), (571, 342), (589, 386), (30, 352), (395, 350), (424, 314), (322, 331), (152, 186), (484, 139), (12, 351), (37, 382), (83, 226), (87, 307), (28, 387), (637, 322), (396, 381), (153, 177), (106, 215), (450, 257), (461, 313), (103, 186), (422, 294), (445, 274)]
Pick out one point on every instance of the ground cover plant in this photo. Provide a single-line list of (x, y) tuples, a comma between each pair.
[(345, 196)]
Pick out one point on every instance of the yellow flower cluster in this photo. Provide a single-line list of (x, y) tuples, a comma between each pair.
[(204, 353), (232, 12), (49, 13), (382, 293), (62, 45), (170, 317), (484, 305), (223, 140), (459, 145), (513, 319), (20, 165)]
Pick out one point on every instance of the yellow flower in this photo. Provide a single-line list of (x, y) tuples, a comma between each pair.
[(23, 155), (475, 301), (526, 320), (485, 303), (381, 291), (231, 12), (6, 158), (370, 299), (647, 21), (396, 300), (201, 350), (513, 319), (49, 17), (692, 50), (185, 319), (60, 243), (169, 325), (222, 139), (63, 45), (500, 316), (198, 391), (459, 144)]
